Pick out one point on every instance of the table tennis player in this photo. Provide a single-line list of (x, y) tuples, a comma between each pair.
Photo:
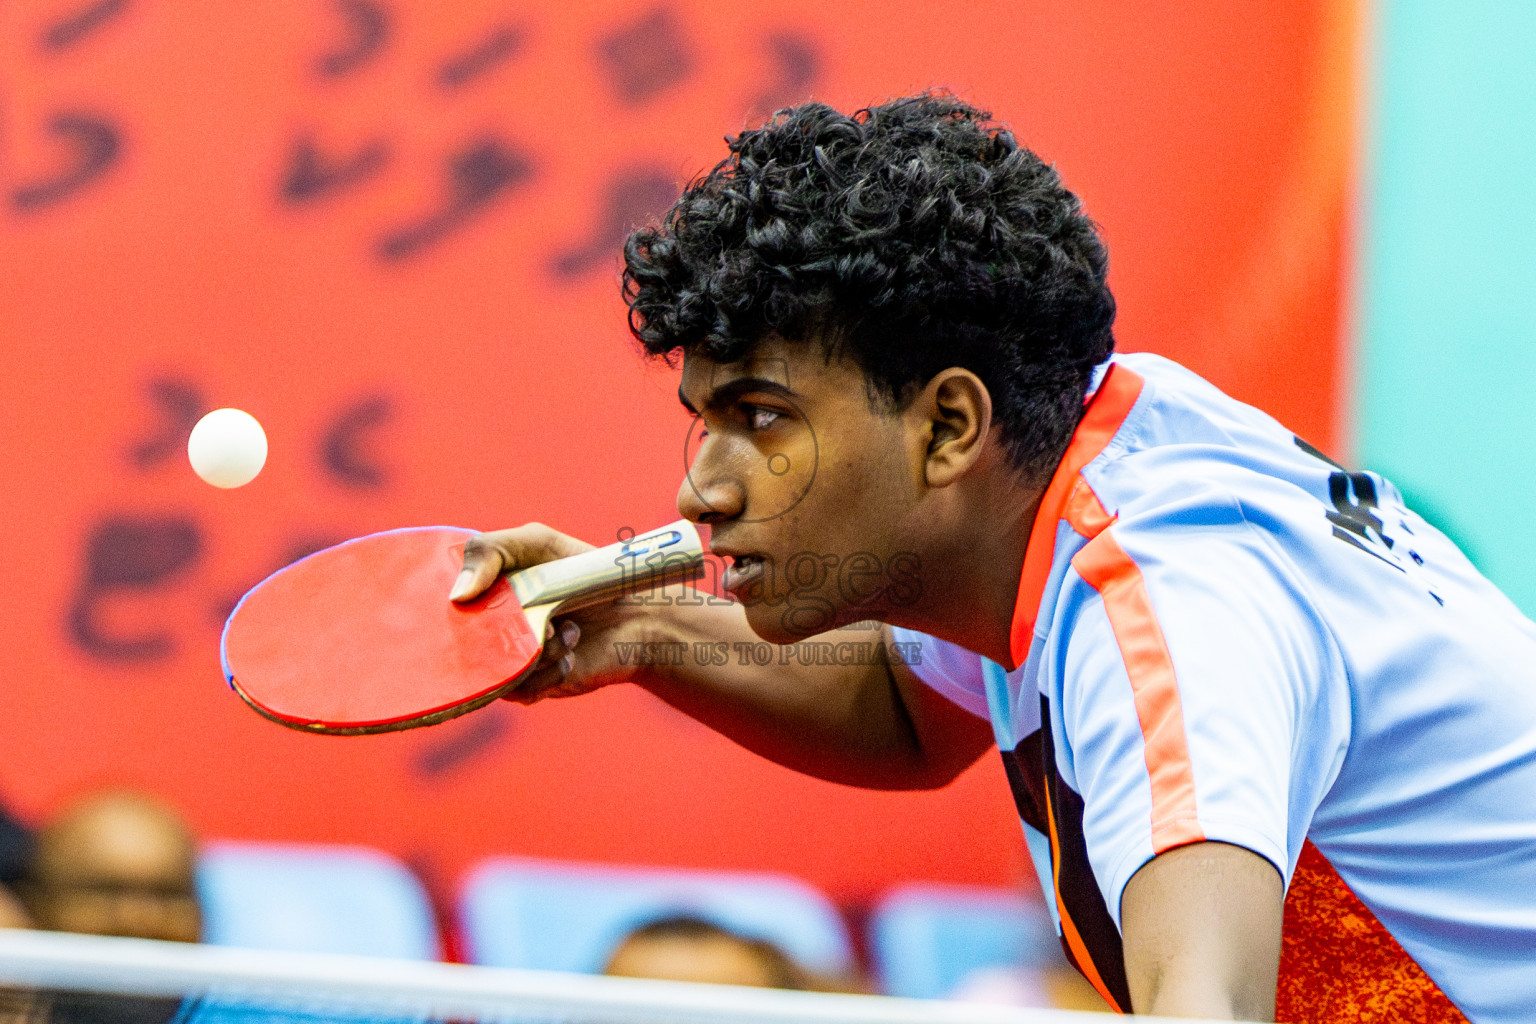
[(1272, 737)]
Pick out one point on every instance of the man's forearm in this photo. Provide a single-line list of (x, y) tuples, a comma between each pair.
[(847, 723)]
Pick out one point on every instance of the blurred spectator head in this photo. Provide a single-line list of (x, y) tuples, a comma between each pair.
[(686, 948), (115, 864)]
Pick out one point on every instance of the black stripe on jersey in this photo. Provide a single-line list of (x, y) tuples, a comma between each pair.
[(1034, 779)]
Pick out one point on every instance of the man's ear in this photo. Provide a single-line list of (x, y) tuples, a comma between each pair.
[(953, 416)]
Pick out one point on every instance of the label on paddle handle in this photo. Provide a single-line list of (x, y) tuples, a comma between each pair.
[(671, 554), (650, 545)]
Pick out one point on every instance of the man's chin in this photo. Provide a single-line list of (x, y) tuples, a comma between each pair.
[(777, 626), (768, 624)]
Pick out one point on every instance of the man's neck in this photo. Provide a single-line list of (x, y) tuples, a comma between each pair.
[(971, 568)]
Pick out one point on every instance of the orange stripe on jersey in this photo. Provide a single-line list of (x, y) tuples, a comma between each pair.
[(1110, 405), (1155, 689), (1084, 512), (1069, 932)]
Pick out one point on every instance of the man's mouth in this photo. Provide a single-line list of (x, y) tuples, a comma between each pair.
[(742, 571)]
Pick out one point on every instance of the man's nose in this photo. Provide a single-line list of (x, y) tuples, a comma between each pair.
[(709, 494)]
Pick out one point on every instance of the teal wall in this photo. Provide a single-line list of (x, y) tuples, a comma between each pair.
[(1446, 372)]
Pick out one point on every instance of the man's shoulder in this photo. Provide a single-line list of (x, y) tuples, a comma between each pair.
[(1179, 410), (1189, 456)]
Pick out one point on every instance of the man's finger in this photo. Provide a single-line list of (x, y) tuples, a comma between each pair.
[(482, 564), (487, 555), (533, 689), (554, 649)]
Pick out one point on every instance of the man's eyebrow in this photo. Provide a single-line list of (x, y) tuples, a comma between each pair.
[(731, 389)]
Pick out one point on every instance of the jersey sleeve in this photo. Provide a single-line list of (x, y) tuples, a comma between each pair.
[(953, 671), (1202, 697)]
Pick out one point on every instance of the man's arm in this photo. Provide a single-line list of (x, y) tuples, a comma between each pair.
[(1201, 926), (874, 725)]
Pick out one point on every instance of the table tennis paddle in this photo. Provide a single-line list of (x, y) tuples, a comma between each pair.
[(361, 637)]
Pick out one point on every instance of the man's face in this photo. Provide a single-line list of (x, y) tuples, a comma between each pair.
[(809, 490)]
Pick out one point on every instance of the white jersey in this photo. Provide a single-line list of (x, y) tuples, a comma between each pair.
[(1221, 635)]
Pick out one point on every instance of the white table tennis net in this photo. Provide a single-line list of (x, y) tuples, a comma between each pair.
[(48, 978)]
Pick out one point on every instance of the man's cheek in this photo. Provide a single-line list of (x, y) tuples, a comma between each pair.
[(807, 610)]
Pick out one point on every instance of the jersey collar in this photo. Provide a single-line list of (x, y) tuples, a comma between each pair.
[(1107, 409)]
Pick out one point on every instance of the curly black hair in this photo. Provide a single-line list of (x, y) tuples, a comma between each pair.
[(909, 237)]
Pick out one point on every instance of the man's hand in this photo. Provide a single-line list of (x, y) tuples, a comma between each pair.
[(1201, 926), (562, 670)]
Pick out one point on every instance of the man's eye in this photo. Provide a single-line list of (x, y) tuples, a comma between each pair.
[(759, 418)]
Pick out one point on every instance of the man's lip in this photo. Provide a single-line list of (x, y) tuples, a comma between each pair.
[(729, 551), (736, 575)]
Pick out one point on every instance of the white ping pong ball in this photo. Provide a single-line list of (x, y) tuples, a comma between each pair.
[(227, 448)]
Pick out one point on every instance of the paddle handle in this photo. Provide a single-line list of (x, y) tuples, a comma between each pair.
[(669, 554)]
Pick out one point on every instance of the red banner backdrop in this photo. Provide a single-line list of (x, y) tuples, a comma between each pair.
[(388, 229)]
